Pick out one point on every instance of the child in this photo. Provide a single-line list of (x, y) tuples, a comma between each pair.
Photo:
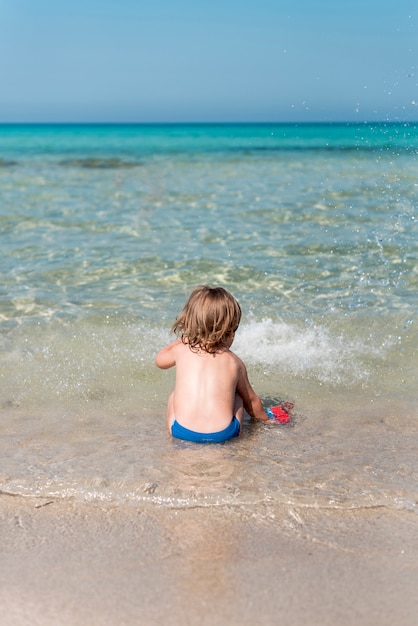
[(212, 387)]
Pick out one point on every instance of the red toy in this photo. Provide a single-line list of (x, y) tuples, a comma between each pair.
[(280, 413)]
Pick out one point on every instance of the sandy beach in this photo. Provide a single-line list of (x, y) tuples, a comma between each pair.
[(77, 564)]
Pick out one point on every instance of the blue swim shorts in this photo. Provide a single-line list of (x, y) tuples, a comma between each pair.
[(231, 431)]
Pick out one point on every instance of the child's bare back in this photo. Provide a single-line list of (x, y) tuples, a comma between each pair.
[(204, 398)]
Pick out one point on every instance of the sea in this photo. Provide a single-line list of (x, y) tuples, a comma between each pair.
[(104, 231)]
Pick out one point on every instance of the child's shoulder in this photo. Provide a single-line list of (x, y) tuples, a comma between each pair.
[(235, 360), (240, 363), (168, 355)]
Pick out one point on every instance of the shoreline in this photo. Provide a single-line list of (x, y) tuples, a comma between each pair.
[(72, 563)]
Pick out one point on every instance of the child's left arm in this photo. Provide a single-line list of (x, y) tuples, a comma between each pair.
[(252, 403), (166, 357)]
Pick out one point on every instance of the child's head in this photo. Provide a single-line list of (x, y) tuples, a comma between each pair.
[(209, 319)]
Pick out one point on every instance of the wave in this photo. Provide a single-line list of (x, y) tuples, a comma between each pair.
[(151, 495), (308, 351)]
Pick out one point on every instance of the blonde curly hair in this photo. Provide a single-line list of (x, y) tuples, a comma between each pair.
[(208, 319)]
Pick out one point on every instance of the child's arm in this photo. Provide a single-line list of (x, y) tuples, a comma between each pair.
[(252, 402), (166, 357)]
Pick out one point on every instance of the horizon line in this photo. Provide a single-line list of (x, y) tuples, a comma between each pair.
[(202, 123)]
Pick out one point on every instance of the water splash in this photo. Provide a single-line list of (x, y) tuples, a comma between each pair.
[(312, 351)]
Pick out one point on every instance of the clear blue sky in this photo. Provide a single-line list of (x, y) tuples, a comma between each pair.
[(212, 60)]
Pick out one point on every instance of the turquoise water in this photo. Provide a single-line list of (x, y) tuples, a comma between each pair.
[(104, 231)]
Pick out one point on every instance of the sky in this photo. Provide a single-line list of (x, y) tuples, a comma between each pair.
[(208, 61)]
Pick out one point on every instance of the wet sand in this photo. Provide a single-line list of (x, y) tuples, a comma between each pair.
[(77, 564)]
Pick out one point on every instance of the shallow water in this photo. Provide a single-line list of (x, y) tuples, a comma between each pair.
[(105, 230)]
